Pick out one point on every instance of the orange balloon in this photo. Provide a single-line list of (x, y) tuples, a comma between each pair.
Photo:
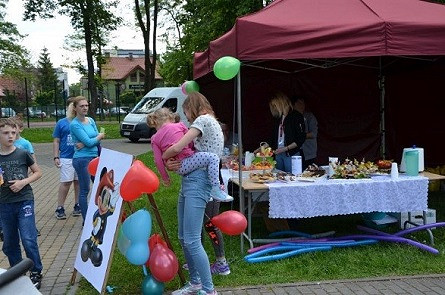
[(92, 166), (163, 263), (138, 180), (230, 222)]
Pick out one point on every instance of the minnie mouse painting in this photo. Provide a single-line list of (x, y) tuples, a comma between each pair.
[(105, 199)]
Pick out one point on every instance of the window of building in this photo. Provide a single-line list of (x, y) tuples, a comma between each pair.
[(134, 77)]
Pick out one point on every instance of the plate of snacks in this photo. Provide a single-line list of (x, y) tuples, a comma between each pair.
[(285, 176), (262, 177), (353, 169), (312, 173)]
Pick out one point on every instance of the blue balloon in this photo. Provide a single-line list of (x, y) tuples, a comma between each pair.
[(137, 227), (138, 253), (150, 286), (122, 242)]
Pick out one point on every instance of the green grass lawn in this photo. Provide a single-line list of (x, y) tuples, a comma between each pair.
[(382, 259), (44, 134)]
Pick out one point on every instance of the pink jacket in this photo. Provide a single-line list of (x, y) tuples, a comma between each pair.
[(165, 137)]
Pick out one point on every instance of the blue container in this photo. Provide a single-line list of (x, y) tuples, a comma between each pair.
[(412, 163)]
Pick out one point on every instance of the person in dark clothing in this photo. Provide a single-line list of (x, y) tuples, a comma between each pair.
[(288, 132)]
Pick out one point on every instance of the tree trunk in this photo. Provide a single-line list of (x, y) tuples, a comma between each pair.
[(153, 64), (146, 35), (88, 43), (148, 64)]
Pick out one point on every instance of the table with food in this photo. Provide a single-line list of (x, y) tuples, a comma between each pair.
[(352, 186)]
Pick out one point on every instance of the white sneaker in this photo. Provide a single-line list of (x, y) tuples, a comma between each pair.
[(220, 195), (188, 288)]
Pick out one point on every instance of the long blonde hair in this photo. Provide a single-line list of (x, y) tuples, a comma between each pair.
[(159, 117), (197, 104), (280, 105), (71, 112)]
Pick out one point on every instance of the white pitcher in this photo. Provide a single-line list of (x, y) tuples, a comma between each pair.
[(248, 158)]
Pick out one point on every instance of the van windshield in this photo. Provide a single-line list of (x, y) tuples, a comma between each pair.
[(146, 105)]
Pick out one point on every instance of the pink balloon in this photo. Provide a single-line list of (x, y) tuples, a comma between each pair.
[(138, 180), (230, 222), (163, 263), (183, 87)]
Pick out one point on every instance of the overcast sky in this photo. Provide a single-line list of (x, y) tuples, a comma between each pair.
[(51, 33)]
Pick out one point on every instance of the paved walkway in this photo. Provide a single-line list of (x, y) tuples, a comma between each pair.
[(59, 241)]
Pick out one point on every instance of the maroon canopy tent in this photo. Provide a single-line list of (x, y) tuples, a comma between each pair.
[(372, 72)]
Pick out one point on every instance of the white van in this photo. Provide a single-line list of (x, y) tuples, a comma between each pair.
[(135, 125)]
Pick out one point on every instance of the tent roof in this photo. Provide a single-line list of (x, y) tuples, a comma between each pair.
[(299, 29)]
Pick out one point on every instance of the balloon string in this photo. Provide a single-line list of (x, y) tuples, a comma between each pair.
[(144, 269)]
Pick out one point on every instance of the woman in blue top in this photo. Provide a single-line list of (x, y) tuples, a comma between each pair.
[(86, 139)]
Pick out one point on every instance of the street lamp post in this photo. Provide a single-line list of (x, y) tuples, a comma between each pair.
[(118, 106)]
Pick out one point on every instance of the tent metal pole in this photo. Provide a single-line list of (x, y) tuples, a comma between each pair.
[(240, 151), (382, 111)]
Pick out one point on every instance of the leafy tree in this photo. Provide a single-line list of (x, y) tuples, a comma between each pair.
[(90, 18), (75, 89), (144, 23), (44, 98), (46, 73), (128, 97), (13, 57), (200, 22)]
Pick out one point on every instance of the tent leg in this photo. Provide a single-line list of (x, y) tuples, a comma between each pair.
[(240, 149)]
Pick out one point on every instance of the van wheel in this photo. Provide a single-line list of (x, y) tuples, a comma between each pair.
[(133, 139)]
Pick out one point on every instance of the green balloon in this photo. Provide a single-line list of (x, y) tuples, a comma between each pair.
[(226, 67), (152, 287), (191, 86)]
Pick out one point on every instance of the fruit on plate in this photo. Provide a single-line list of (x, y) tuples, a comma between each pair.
[(267, 152), (354, 169), (264, 165), (235, 166), (384, 164)]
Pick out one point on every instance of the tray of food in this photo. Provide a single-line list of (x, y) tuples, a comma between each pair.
[(353, 169), (262, 177), (285, 176), (312, 173)]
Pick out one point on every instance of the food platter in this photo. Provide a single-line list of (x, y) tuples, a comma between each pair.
[(262, 177), (353, 169), (381, 172), (312, 173)]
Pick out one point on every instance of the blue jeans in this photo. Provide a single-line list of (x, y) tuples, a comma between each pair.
[(18, 221), (81, 167), (284, 162), (193, 197)]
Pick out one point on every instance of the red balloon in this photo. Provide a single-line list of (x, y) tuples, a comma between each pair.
[(138, 180), (154, 240), (92, 166), (163, 263), (230, 222)]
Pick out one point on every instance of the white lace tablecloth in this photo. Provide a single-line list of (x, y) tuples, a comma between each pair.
[(327, 197)]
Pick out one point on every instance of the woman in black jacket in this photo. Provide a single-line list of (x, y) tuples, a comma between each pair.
[(288, 132)]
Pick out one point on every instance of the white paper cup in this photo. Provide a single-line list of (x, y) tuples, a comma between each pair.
[(394, 170)]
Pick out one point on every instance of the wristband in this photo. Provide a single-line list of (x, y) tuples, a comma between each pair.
[(56, 158)]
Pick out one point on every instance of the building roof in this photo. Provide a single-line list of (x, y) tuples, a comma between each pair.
[(119, 68), (11, 85)]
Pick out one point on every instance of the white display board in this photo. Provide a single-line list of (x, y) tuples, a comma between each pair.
[(104, 207)]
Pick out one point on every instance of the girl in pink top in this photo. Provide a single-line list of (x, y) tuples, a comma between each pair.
[(168, 133)]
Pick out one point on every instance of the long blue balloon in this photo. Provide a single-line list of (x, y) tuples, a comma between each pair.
[(296, 251)]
